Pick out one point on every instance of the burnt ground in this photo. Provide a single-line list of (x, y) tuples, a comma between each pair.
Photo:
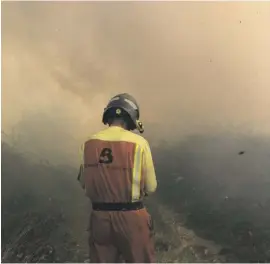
[(219, 187), (45, 214)]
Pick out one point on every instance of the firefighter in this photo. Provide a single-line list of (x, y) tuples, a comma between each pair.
[(117, 171)]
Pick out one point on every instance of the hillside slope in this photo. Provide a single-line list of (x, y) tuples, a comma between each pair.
[(45, 213)]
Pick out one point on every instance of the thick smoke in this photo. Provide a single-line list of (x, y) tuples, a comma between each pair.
[(201, 74), (195, 68)]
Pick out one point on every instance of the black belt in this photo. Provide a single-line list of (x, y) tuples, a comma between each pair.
[(117, 206)]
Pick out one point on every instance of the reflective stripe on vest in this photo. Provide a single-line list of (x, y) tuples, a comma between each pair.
[(136, 173)]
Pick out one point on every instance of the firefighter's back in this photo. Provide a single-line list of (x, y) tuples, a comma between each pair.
[(115, 184), (113, 165)]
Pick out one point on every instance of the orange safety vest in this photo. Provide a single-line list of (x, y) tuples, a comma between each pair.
[(117, 167)]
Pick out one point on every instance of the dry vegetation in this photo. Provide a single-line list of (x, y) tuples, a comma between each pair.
[(200, 216), (220, 191), (39, 207)]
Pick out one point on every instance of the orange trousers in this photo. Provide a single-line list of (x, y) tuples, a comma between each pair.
[(121, 236)]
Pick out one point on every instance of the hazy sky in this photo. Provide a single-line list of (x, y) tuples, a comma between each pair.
[(193, 67)]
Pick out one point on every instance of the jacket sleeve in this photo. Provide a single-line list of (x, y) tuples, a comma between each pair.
[(81, 177), (149, 170)]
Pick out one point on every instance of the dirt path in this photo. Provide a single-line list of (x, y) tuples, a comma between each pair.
[(176, 243), (58, 234)]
